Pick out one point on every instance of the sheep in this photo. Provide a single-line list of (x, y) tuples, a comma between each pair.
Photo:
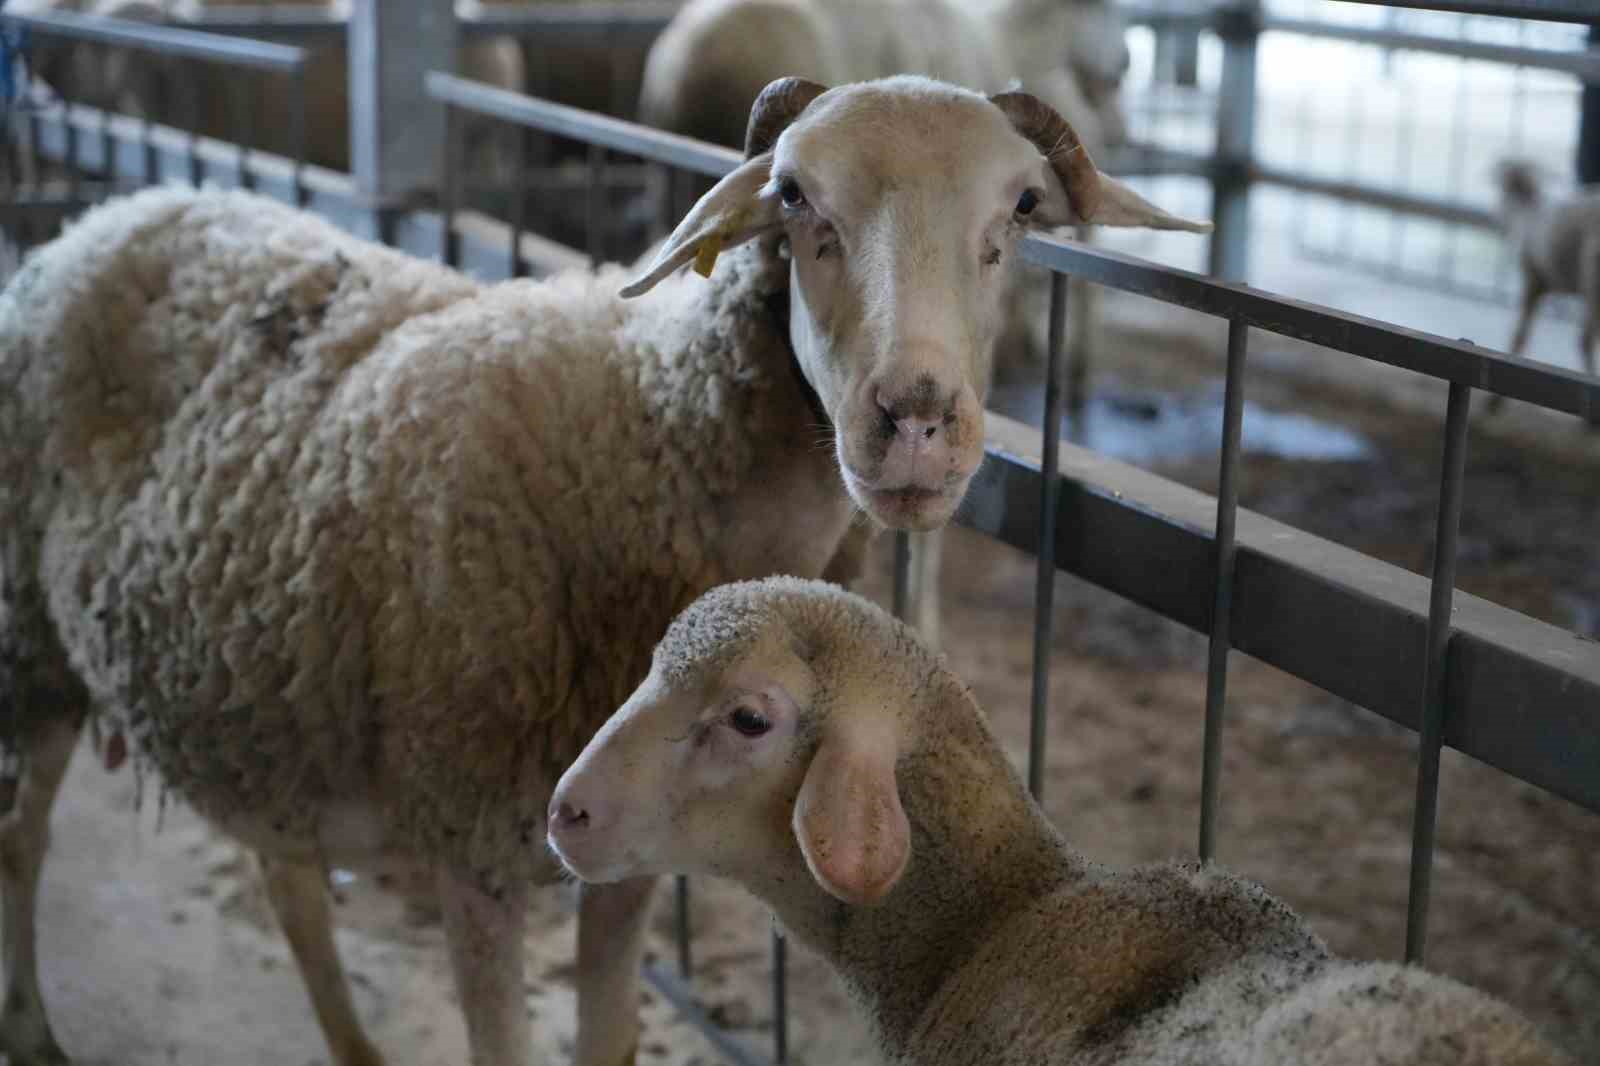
[(1558, 248), (716, 54), (795, 738), (357, 553)]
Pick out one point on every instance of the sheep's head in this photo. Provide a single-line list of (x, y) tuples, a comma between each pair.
[(901, 203), (761, 744)]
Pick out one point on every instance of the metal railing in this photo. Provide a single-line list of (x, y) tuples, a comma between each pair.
[(1513, 692), (95, 140)]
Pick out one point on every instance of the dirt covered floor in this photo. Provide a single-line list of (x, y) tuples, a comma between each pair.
[(159, 949)]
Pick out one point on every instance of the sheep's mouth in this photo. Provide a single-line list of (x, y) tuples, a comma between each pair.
[(910, 506)]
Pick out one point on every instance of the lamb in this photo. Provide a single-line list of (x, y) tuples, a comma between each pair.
[(795, 738), (358, 553), (1558, 248)]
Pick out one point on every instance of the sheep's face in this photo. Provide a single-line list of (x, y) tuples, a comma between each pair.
[(736, 757), (694, 774), (901, 203)]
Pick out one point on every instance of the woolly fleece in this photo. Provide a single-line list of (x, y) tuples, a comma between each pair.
[(1003, 945), (319, 523)]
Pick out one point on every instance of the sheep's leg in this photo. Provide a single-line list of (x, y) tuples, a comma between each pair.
[(1083, 332), (25, 1034), (1532, 293), (485, 937), (611, 926), (299, 896), (923, 596), (1083, 338)]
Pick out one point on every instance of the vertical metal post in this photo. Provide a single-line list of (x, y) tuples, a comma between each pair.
[(902, 574), (1425, 815), (241, 116), (780, 997), (185, 73), (1240, 28), (297, 133), (108, 155), (519, 197), (73, 175), (593, 218), (396, 130), (1224, 556), (1045, 575), (449, 186), (681, 926)]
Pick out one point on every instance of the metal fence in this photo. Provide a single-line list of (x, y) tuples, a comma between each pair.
[(59, 154), (1510, 691)]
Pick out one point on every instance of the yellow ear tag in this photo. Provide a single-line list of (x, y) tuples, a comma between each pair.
[(705, 257)]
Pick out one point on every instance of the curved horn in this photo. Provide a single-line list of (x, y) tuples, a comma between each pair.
[(1055, 137), (779, 104)]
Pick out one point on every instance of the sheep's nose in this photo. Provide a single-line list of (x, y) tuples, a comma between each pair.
[(566, 816), (918, 419)]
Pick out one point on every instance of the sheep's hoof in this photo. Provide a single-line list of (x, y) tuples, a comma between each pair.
[(29, 1042)]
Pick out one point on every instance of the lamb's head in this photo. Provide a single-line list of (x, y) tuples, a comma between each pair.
[(763, 743), (900, 204)]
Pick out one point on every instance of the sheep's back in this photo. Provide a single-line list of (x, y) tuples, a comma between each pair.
[(1160, 964)]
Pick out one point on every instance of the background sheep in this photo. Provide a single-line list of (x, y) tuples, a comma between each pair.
[(360, 553), (797, 739), (1558, 248)]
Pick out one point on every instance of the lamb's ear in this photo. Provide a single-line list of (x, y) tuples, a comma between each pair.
[(848, 819), (1080, 193), (734, 211)]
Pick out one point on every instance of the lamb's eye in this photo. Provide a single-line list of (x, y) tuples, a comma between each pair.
[(748, 722), (789, 192), (1027, 202)]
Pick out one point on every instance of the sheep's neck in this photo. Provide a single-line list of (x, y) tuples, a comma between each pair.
[(980, 851)]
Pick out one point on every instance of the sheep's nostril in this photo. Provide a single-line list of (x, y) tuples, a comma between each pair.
[(570, 817), (929, 432)]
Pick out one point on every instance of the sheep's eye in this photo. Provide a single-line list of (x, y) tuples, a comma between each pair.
[(789, 192), (748, 722), (1027, 202)]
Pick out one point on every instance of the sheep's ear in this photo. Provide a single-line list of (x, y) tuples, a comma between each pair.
[(848, 819), (734, 211)]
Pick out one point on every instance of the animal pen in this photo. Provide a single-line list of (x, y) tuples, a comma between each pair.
[(1513, 692)]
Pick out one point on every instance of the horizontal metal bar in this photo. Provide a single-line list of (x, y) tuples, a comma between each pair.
[(1426, 353), (483, 243), (682, 999), (1548, 10), (165, 40), (1355, 192), (1524, 695), (587, 126), (1581, 64), (615, 22), (1459, 361)]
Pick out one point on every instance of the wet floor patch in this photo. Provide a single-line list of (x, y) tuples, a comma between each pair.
[(1154, 427)]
